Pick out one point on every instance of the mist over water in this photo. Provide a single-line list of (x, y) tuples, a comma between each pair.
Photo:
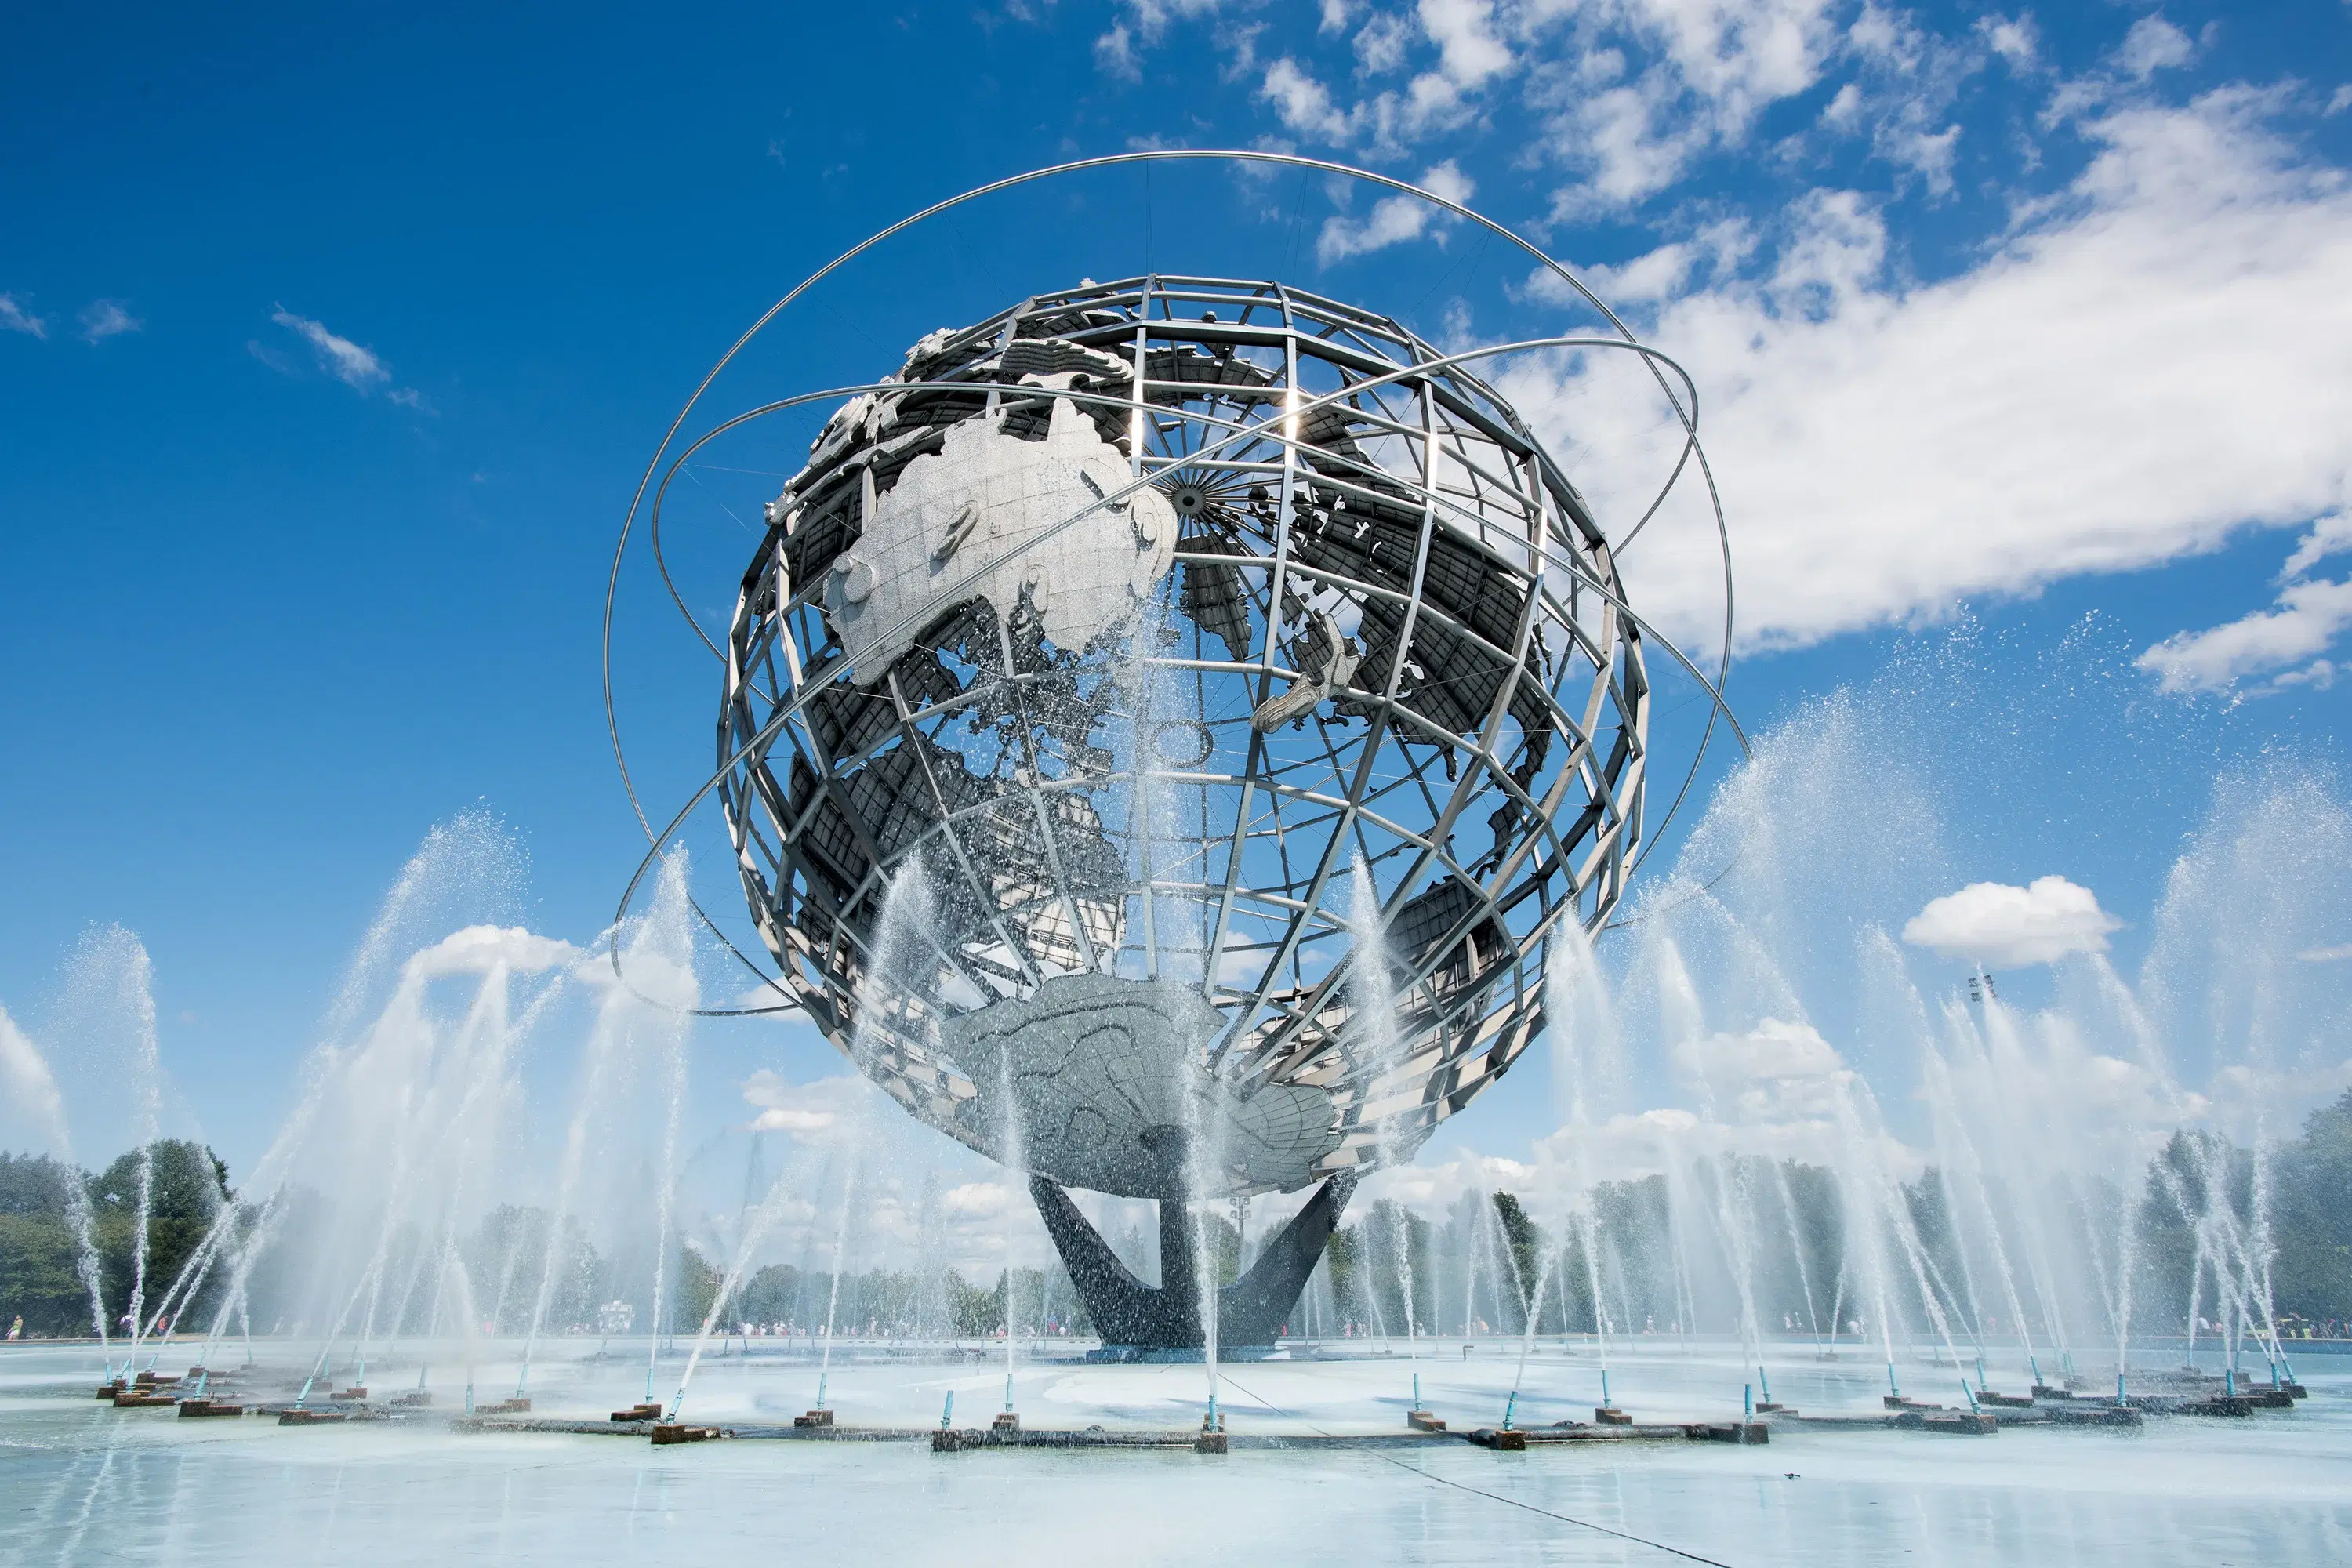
[(1983, 1128), (1774, 1119)]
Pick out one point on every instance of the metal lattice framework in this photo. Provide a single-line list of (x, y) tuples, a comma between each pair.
[(1388, 651)]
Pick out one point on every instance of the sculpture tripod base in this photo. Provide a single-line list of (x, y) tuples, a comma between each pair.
[(1138, 1321)]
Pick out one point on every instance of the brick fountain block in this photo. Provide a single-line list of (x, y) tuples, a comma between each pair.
[(1728, 1432), (667, 1432), (1962, 1424)]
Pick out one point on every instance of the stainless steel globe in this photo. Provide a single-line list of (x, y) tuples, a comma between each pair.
[(1203, 705)]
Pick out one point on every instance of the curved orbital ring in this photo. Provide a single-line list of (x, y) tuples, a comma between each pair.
[(1658, 364)]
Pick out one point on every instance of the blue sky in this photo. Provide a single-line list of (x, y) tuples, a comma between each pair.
[(331, 342)]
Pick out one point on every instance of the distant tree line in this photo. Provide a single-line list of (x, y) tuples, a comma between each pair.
[(1486, 1262), (1480, 1267), (40, 1249), (516, 1266), (904, 1303)]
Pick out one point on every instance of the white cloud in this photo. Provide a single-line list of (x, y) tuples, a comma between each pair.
[(1628, 1147), (2014, 39), (2126, 380), (30, 1084), (2305, 620), (2319, 675), (1778, 1071), (1646, 278), (2325, 954), (1469, 56), (2154, 44), (103, 319), (819, 1112), (1715, 68), (1472, 54), (476, 950), (1994, 924), (16, 318), (1382, 44), (1144, 23), (345, 360), (1393, 219), (1303, 104), (2340, 100), (980, 1200), (1115, 52), (1657, 275), (2329, 535)]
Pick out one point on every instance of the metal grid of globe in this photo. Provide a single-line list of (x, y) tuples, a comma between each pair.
[(1182, 704)]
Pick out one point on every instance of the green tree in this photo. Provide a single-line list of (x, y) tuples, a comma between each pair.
[(698, 1287), (40, 1278), (2312, 1228), (187, 1186), (1523, 1242)]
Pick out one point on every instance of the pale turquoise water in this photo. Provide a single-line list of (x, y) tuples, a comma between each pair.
[(82, 1482)]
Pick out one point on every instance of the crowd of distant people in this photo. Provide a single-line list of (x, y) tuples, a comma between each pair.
[(2292, 1327)]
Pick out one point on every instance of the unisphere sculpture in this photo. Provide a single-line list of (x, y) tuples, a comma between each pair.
[(1208, 703)]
